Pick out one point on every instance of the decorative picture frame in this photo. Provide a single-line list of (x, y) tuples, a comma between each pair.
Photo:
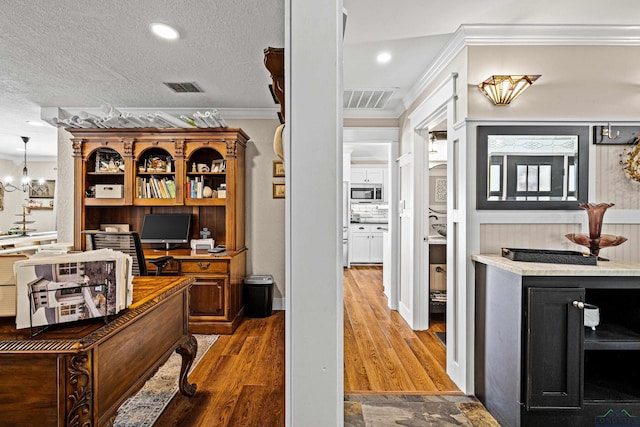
[(278, 169), (46, 190), (279, 190), (437, 190)]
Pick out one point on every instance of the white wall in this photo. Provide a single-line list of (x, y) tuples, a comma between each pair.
[(577, 82), (265, 215), (13, 201)]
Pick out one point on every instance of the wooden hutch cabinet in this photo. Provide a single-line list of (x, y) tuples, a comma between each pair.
[(123, 174)]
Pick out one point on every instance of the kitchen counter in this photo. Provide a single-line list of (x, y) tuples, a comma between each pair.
[(604, 268), (369, 222)]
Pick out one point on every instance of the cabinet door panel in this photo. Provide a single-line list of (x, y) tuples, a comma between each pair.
[(554, 337), (360, 247), (206, 298), (376, 247), (358, 176), (375, 176)]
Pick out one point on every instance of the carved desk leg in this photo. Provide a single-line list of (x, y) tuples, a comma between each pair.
[(188, 351), (80, 397)]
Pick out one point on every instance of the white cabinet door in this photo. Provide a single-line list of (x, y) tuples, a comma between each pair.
[(360, 242), (375, 247), (358, 175), (375, 176)]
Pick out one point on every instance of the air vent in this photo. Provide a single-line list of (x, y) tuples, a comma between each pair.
[(187, 87), (367, 98)]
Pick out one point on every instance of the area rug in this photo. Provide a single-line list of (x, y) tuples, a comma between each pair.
[(144, 408)]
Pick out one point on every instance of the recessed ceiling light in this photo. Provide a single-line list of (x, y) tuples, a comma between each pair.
[(34, 123), (164, 31), (383, 57)]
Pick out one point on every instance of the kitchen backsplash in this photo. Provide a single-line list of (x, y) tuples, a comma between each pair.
[(369, 212)]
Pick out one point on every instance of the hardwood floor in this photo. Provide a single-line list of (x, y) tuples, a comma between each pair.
[(382, 354), (241, 379)]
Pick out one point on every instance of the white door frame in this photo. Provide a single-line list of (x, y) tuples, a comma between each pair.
[(442, 103), (388, 137)]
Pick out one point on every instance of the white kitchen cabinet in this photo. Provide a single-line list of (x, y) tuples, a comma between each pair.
[(367, 175), (366, 243)]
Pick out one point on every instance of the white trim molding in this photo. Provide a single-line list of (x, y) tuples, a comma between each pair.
[(513, 34)]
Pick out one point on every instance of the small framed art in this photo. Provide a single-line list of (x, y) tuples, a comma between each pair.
[(278, 190), (278, 169)]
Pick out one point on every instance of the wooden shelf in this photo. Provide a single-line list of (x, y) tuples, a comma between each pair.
[(154, 202), (92, 201), (40, 208), (106, 173), (195, 174), (205, 202), (156, 173)]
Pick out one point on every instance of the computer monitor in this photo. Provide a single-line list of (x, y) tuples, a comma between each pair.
[(166, 228)]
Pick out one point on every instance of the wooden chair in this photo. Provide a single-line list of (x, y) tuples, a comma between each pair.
[(8, 284), (129, 243)]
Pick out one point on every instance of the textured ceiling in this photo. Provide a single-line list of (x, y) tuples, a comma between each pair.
[(86, 53), (67, 53)]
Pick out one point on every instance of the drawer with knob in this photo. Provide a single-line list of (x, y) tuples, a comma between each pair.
[(209, 266)]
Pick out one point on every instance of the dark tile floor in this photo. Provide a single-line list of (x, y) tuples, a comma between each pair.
[(374, 410)]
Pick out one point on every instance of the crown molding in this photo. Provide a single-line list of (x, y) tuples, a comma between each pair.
[(595, 35), (546, 35), (46, 113)]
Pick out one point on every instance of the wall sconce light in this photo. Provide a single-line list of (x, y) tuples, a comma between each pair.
[(501, 90)]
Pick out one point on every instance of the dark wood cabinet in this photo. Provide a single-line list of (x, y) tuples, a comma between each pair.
[(553, 348), (123, 174), (536, 364)]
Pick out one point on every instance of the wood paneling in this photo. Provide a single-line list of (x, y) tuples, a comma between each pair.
[(494, 237), (612, 186)]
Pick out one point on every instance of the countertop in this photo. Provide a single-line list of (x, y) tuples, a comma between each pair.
[(369, 222), (437, 240), (604, 268)]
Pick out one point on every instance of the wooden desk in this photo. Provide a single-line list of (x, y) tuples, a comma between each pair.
[(79, 374), (216, 295)]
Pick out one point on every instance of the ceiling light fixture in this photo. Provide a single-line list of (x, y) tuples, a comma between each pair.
[(34, 123), (433, 139), (164, 31), (383, 57), (501, 90), (26, 182)]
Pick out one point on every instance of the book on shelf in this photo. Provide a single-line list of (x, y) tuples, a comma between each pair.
[(65, 288), (154, 188)]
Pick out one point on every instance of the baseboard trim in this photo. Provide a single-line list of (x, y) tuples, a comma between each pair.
[(279, 303)]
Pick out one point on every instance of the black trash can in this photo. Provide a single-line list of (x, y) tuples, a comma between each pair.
[(258, 295)]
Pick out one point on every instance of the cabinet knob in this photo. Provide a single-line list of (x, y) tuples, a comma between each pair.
[(439, 269), (203, 265), (578, 304)]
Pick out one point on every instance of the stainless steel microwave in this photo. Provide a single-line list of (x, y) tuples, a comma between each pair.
[(363, 193)]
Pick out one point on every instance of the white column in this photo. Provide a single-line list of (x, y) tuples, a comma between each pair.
[(313, 168)]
